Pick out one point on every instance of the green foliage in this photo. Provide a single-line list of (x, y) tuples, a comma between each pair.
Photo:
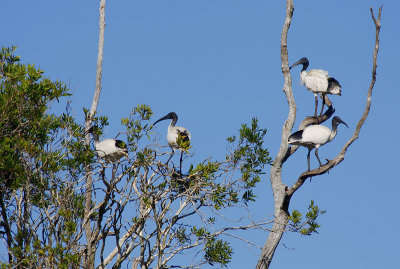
[(202, 183), (309, 225), (34, 158), (25, 96), (42, 155), (182, 236), (249, 155), (218, 251), (183, 143), (205, 171), (137, 125)]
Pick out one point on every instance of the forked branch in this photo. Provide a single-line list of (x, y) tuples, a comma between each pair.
[(340, 157)]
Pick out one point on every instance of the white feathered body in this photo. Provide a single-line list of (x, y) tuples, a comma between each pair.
[(111, 149), (318, 81), (173, 133), (312, 136)]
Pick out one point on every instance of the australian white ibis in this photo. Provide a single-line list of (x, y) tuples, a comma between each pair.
[(110, 149), (318, 82), (314, 136), (174, 132)]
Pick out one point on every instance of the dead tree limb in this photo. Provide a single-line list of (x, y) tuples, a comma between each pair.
[(278, 188), (340, 157), (91, 247), (282, 193)]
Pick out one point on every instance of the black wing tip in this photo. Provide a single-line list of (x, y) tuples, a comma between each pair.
[(296, 136), (120, 144), (333, 82)]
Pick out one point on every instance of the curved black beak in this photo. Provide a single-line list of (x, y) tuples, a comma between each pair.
[(303, 61), (296, 64), (170, 116), (340, 120), (167, 117)]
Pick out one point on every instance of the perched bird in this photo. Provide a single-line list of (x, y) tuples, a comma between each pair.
[(318, 82), (314, 136), (174, 132), (110, 149)]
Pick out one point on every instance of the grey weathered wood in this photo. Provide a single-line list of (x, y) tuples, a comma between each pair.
[(278, 188), (282, 194), (340, 157), (91, 246)]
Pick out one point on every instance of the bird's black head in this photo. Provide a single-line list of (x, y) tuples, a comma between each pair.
[(170, 116), (336, 121), (304, 61)]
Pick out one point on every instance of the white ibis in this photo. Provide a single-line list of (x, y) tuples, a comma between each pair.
[(174, 132), (110, 149), (314, 136), (318, 82)]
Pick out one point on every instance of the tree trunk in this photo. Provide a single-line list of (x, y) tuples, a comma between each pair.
[(280, 222), (281, 199)]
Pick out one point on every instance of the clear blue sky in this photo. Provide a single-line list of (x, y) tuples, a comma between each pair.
[(217, 65)]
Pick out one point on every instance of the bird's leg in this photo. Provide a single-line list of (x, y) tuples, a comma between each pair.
[(180, 166), (316, 154), (323, 104), (316, 105), (172, 154), (308, 159)]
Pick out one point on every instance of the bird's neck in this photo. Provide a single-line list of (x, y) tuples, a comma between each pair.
[(303, 74), (173, 122), (305, 66), (333, 132)]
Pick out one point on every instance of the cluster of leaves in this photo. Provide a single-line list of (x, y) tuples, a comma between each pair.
[(137, 125), (59, 254), (33, 158), (310, 224), (249, 155), (183, 143), (216, 250), (24, 125)]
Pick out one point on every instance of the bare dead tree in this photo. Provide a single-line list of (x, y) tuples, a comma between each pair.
[(91, 247), (283, 193)]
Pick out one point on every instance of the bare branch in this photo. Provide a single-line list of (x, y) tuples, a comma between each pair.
[(287, 88), (340, 157), (89, 260)]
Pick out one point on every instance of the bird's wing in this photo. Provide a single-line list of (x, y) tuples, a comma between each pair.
[(316, 134), (105, 147), (184, 133), (316, 80), (120, 144), (334, 86), (295, 136), (318, 72)]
